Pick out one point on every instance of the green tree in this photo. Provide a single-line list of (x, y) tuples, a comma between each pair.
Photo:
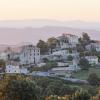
[(45, 60), (81, 95), (17, 59), (51, 64), (81, 54), (79, 47), (84, 40), (22, 90), (70, 58), (66, 90), (43, 46), (52, 43), (84, 64), (93, 79), (70, 50), (86, 37), (54, 88), (2, 65)]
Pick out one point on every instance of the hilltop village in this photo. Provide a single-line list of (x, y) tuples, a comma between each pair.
[(59, 56), (62, 68)]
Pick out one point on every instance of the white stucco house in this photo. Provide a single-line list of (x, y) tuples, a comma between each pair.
[(30, 55), (3, 56), (66, 45), (64, 53), (68, 38), (95, 46), (12, 69), (92, 59), (67, 41)]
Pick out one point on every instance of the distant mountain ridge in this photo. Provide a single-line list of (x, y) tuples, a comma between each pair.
[(27, 32), (14, 36), (19, 31), (37, 23)]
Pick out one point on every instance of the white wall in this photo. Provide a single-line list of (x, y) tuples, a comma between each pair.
[(30, 55), (12, 69)]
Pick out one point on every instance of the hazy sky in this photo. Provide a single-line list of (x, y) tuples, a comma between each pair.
[(88, 10)]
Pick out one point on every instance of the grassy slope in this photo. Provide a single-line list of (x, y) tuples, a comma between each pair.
[(84, 74)]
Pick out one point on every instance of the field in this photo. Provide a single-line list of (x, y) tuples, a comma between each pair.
[(85, 73)]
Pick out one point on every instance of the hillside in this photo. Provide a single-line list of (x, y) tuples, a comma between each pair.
[(14, 36)]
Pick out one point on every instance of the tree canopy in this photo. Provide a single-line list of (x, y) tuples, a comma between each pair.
[(81, 95), (85, 39), (70, 58), (43, 46), (93, 79), (21, 90), (84, 64)]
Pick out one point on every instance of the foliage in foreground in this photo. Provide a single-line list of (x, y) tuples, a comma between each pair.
[(39, 88), (17, 88)]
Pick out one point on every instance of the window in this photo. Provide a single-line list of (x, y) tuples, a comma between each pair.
[(24, 55), (37, 53)]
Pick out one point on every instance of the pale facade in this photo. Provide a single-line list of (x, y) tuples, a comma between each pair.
[(95, 46), (65, 44), (65, 53), (72, 39), (92, 59), (67, 41), (12, 69), (30, 55), (3, 56)]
